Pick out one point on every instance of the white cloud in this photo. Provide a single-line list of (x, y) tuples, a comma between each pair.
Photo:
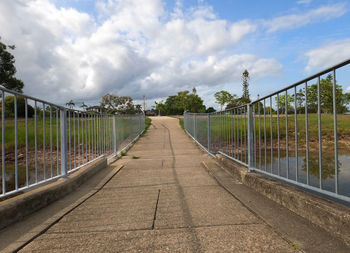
[(132, 48), (304, 1), (320, 14), (328, 55)]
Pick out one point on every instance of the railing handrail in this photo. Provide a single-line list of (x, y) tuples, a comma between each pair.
[(325, 71), (70, 139)]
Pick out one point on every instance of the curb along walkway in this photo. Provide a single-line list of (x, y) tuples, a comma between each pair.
[(162, 200)]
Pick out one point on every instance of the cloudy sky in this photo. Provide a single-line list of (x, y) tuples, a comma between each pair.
[(83, 49)]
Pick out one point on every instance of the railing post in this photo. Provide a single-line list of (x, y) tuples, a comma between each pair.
[(114, 135), (209, 133), (195, 126), (63, 124), (185, 121), (250, 137)]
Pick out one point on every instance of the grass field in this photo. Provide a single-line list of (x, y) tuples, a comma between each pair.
[(124, 126)]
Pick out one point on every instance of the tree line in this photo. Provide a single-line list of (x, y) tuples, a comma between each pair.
[(183, 101)]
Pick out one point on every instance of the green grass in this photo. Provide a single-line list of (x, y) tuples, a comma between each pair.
[(124, 129), (148, 122), (181, 122), (135, 157)]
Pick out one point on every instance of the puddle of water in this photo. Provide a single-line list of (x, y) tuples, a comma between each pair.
[(299, 165)]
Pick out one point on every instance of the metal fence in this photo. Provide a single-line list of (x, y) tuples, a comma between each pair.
[(41, 141), (281, 135)]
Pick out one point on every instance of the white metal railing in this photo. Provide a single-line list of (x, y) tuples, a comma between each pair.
[(281, 135), (42, 141)]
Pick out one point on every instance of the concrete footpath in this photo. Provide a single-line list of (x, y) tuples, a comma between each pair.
[(163, 199)]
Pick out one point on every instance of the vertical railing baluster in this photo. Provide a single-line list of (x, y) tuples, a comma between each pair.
[(74, 144), (319, 130), (240, 145), (51, 144), (265, 142), (69, 142), (57, 142), (63, 125), (271, 135), (16, 143), (234, 134), (250, 137), (27, 158), (36, 141), (296, 134), (209, 133), (79, 154), (114, 136), (307, 136), (259, 134), (287, 146), (3, 176), (278, 136), (245, 135), (335, 132), (254, 133), (44, 141)]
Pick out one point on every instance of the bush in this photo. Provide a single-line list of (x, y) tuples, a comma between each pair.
[(10, 107)]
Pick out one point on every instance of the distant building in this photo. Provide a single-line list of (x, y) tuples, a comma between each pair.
[(95, 108), (150, 113)]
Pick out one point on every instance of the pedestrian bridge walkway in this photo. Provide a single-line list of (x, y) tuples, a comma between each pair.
[(160, 198)]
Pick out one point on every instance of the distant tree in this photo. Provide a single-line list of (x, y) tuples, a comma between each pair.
[(210, 110), (8, 69), (117, 104), (70, 104), (10, 107), (84, 106), (183, 101), (281, 103), (245, 79), (194, 90), (222, 97), (194, 103), (326, 96), (160, 108), (138, 108), (346, 99), (234, 102)]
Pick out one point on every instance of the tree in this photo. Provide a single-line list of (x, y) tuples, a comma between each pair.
[(194, 90), (70, 104), (281, 103), (194, 103), (84, 106), (245, 79), (118, 104), (326, 96), (346, 99), (8, 69), (183, 101), (10, 107), (210, 110), (222, 97), (138, 108), (234, 102)]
